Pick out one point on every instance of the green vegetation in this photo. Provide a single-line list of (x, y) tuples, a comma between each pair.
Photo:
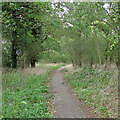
[(25, 96), (65, 70), (55, 67), (77, 33), (97, 88), (59, 32)]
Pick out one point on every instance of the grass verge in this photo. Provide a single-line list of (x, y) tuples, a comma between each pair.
[(25, 96), (55, 67), (97, 88)]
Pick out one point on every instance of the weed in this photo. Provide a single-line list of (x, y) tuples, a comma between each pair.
[(25, 96), (94, 87)]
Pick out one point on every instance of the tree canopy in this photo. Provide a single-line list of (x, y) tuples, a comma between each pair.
[(81, 33)]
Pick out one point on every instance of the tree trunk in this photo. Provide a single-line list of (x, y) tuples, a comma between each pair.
[(33, 63), (98, 53), (111, 59), (76, 58), (13, 52), (99, 56), (73, 63), (22, 64), (117, 64), (91, 63), (119, 59), (106, 56), (80, 64), (98, 50)]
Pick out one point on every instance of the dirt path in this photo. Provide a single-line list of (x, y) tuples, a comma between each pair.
[(65, 105)]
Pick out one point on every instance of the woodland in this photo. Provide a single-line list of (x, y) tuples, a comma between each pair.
[(84, 34), (81, 33)]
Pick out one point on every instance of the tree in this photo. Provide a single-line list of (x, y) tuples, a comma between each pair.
[(18, 20)]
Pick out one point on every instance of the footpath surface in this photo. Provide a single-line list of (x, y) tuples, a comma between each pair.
[(65, 104)]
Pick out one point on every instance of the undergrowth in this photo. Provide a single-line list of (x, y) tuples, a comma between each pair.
[(25, 96), (97, 88)]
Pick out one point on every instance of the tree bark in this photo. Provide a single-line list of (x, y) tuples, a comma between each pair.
[(106, 56), (75, 56), (111, 59), (119, 59), (91, 63), (33, 63), (73, 63), (80, 63), (13, 52), (98, 49)]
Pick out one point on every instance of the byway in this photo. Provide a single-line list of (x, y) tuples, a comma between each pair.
[(65, 103)]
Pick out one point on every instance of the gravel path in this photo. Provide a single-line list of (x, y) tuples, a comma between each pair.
[(65, 104)]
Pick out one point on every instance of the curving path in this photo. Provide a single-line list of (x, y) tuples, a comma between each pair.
[(65, 104)]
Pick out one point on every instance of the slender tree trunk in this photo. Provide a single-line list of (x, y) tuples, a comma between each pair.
[(13, 52), (80, 63), (119, 59), (119, 40), (106, 56), (75, 56), (91, 63), (73, 63), (117, 64), (98, 49), (22, 64)]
